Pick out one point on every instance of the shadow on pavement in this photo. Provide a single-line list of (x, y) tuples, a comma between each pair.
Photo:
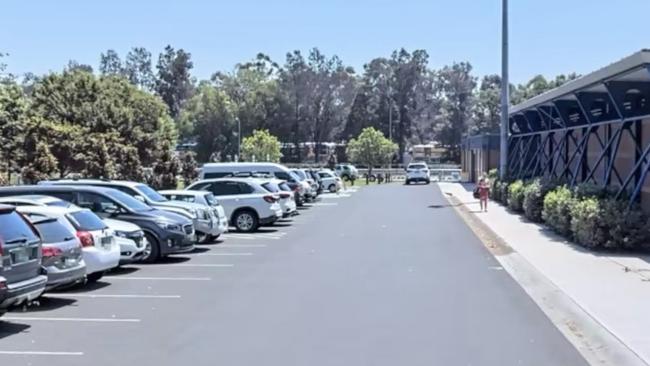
[(200, 249), (10, 328), (80, 288), (121, 270), (168, 260), (44, 303)]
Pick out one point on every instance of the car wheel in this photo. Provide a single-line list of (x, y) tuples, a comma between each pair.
[(428, 182), (246, 221), (407, 182), (203, 238), (151, 251), (332, 188), (94, 277)]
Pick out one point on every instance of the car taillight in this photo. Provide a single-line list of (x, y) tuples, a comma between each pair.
[(269, 199), (3, 283), (85, 238), (51, 251)]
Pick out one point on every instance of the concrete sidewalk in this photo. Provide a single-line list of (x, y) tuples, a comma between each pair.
[(614, 289)]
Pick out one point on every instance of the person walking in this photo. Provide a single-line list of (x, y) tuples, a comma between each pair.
[(483, 192)]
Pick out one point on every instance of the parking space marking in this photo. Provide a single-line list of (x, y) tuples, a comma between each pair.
[(80, 320), (225, 254), (342, 195), (40, 353), (168, 265), (107, 296), (160, 278), (325, 204), (241, 246)]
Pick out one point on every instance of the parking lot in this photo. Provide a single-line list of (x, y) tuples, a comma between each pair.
[(143, 312)]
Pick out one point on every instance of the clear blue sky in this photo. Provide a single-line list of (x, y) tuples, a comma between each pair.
[(547, 36)]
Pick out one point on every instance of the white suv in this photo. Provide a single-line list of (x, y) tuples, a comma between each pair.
[(417, 172), (247, 204)]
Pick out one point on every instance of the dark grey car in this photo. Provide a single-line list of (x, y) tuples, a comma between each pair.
[(62, 253), (21, 278), (166, 232)]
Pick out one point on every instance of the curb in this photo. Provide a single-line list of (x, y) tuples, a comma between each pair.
[(592, 339)]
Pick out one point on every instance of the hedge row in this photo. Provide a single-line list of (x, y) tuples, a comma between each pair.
[(588, 214)]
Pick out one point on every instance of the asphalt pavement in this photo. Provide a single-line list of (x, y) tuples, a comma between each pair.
[(388, 275)]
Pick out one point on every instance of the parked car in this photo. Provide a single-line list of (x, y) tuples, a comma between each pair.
[(166, 232), (417, 172), (21, 277), (283, 193), (312, 191), (202, 198), (329, 181), (246, 203), (221, 170), (346, 171), (129, 236), (316, 178), (205, 224), (62, 253), (100, 251)]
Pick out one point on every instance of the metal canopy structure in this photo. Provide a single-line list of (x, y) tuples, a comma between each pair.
[(587, 130)]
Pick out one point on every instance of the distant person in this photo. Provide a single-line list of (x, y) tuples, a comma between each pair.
[(483, 192)]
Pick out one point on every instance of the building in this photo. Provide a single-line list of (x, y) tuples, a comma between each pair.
[(479, 155), (594, 129)]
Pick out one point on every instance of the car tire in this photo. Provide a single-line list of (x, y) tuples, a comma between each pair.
[(428, 182), (205, 238), (153, 253), (246, 221), (407, 182), (94, 277), (332, 188)]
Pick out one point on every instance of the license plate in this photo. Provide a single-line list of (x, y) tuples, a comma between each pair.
[(20, 255), (70, 262), (107, 241)]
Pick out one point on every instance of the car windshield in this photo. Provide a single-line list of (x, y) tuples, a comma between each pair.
[(417, 166), (128, 201), (300, 174), (150, 193), (14, 227), (87, 221), (53, 231), (271, 187)]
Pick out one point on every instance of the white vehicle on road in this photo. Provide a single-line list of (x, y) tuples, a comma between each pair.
[(330, 181), (100, 251), (202, 198), (417, 172), (246, 203), (128, 236), (283, 192)]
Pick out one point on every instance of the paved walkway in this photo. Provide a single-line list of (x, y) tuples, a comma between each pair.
[(613, 288)]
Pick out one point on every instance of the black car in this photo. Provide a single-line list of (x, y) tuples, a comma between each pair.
[(21, 276), (166, 232)]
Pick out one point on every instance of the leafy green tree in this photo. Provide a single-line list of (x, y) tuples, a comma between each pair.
[(261, 146), (211, 116), (42, 165), (487, 110), (166, 169), (110, 63), (13, 109), (188, 167), (174, 83), (371, 148), (97, 161), (138, 68)]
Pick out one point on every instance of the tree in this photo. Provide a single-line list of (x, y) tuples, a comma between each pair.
[(174, 83), (487, 110), (73, 65), (110, 63), (138, 68), (210, 118), (42, 165), (166, 169), (13, 109), (371, 148), (261, 146), (188, 167)]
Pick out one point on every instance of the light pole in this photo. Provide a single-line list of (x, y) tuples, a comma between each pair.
[(238, 139), (505, 94)]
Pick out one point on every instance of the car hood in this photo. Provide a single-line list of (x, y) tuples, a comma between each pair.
[(119, 225), (165, 216)]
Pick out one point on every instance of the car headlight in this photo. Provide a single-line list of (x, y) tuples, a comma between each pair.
[(168, 226), (121, 234), (194, 213)]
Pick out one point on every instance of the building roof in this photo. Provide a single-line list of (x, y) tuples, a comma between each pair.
[(631, 68)]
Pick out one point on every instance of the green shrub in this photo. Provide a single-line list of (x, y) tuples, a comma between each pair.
[(585, 222), (503, 192), (623, 228), (493, 175), (533, 203), (556, 211), (516, 196), (494, 189)]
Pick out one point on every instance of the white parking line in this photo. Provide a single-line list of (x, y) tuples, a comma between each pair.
[(41, 353), (226, 254), (160, 278), (169, 265), (106, 296), (326, 204), (81, 320), (241, 246)]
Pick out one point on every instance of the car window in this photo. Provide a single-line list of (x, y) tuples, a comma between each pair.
[(52, 230), (211, 200), (245, 188), (150, 193), (179, 197), (97, 203), (271, 187), (284, 186), (417, 166), (127, 201), (224, 188), (283, 175), (65, 196), (13, 226), (87, 221), (215, 175)]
